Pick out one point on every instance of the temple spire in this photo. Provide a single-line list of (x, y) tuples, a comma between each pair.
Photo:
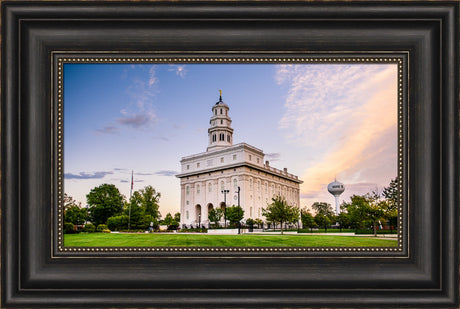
[(220, 95)]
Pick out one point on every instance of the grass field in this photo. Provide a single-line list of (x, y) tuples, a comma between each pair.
[(198, 240)]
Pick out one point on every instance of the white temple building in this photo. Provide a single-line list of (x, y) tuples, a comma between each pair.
[(211, 179)]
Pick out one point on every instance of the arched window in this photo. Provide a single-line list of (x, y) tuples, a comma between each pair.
[(214, 138), (221, 121), (228, 138), (215, 112), (186, 214), (221, 111), (187, 189), (197, 188), (250, 184)]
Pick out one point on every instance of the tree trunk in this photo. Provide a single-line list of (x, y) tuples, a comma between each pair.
[(375, 229), (281, 227)]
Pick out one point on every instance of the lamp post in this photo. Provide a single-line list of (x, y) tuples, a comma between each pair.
[(239, 222), (199, 221), (225, 202)]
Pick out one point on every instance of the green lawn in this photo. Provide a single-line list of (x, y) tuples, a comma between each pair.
[(197, 240)]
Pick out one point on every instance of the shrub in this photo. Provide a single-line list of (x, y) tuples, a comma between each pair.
[(102, 227), (69, 228), (89, 228), (106, 231), (117, 223)]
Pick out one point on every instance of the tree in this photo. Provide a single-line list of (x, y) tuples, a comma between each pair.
[(215, 215), (235, 214), (69, 201), (307, 219), (104, 202), (177, 216), (150, 199), (323, 208), (259, 222), (322, 220), (168, 219), (368, 208), (279, 211), (391, 194), (75, 215)]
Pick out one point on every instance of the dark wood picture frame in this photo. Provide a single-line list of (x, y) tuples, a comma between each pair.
[(33, 276)]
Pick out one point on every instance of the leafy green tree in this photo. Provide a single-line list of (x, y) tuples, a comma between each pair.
[(69, 201), (177, 216), (391, 194), (215, 215), (235, 214), (323, 208), (280, 212), (168, 219), (259, 222), (75, 215), (104, 202), (322, 220), (150, 201), (366, 209), (308, 221), (135, 212)]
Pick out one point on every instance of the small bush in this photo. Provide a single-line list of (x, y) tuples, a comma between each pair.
[(106, 231), (371, 231), (194, 230), (69, 228), (102, 227), (89, 228)]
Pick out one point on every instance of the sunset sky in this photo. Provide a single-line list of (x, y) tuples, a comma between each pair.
[(320, 121)]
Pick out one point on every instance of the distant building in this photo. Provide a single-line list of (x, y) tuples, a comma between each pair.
[(224, 167)]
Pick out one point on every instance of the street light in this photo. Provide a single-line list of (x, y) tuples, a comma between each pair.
[(239, 222), (225, 202), (199, 221)]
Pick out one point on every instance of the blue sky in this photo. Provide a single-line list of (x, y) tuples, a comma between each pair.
[(319, 120)]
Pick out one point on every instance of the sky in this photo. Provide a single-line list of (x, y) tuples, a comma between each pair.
[(320, 121)]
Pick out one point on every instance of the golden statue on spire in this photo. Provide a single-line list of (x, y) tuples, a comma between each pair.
[(220, 92)]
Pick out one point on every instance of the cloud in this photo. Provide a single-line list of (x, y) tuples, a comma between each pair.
[(166, 173), (345, 117), (179, 69), (143, 174), (84, 175), (137, 120), (152, 77), (274, 156), (109, 129)]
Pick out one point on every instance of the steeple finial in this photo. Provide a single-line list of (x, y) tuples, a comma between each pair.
[(220, 95)]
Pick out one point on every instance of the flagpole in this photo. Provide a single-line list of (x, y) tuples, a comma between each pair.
[(130, 195)]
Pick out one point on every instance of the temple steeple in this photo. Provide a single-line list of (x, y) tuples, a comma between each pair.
[(220, 132)]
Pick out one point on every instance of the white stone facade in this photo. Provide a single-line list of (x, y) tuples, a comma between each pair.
[(225, 166)]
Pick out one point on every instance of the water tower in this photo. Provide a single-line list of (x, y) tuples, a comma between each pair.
[(336, 188)]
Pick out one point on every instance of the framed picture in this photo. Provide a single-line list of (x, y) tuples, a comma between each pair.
[(68, 130)]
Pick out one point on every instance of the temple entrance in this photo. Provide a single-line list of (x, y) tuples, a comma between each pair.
[(198, 218)]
